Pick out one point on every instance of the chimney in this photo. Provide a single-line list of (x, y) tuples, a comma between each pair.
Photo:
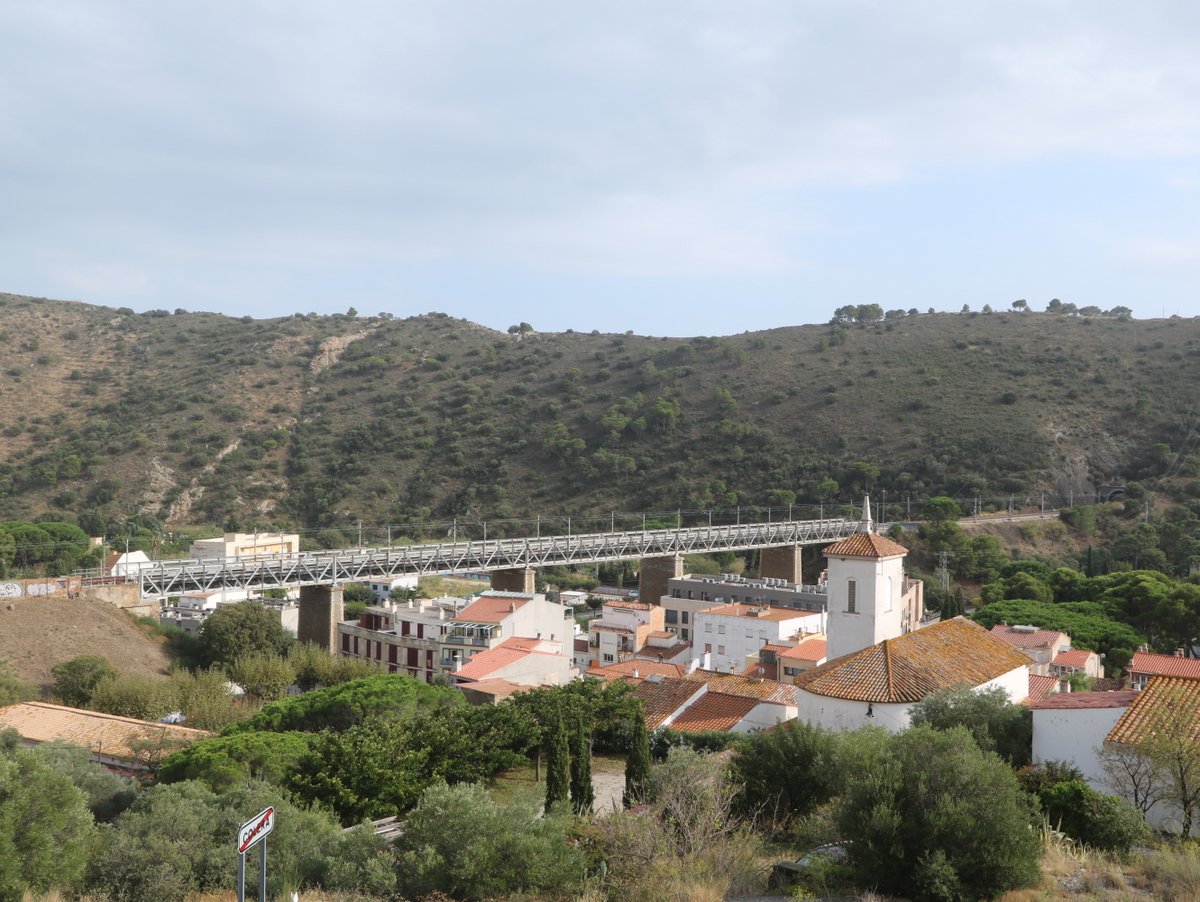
[(1179, 652), (636, 673), (512, 607), (1064, 685), (706, 661)]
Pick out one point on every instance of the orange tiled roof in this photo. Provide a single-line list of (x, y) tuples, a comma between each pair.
[(1166, 702), (755, 612), (864, 544), (713, 711), (1085, 700), (624, 669), (732, 684), (1167, 665), (1074, 657), (628, 605), (483, 664), (662, 698), (1035, 639), (105, 734), (813, 649), (1040, 686), (491, 608), (907, 669)]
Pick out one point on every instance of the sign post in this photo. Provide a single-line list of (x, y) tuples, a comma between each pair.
[(254, 833)]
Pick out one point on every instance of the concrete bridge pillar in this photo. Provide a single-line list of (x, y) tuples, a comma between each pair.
[(518, 580), (782, 562), (653, 573), (320, 610)]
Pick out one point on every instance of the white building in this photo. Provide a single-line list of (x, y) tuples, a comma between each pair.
[(1072, 726), (127, 565), (870, 598), (688, 595), (495, 616), (732, 633), (382, 588), (404, 636), (879, 684)]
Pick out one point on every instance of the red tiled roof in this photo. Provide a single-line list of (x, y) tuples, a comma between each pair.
[(1167, 665), (487, 662), (713, 711), (913, 666), (732, 684), (494, 689), (807, 650), (1074, 657), (624, 669), (660, 634), (1085, 700), (662, 698), (864, 544), (1040, 686), (1035, 639), (1169, 704), (491, 608)]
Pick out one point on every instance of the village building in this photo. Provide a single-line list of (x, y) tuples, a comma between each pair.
[(1072, 726), (732, 634), (403, 636), (236, 544), (632, 629), (382, 588), (880, 683), (704, 701), (1165, 713), (1147, 664), (1076, 660), (119, 743), (1040, 645)]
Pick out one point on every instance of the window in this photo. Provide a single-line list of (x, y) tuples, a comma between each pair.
[(851, 597), (707, 648), (608, 659), (720, 649), (708, 626), (889, 595), (685, 616), (671, 616), (721, 629), (685, 635)]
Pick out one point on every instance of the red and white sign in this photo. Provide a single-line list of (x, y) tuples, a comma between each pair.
[(255, 829)]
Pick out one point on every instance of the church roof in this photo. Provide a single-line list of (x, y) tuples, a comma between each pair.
[(865, 544), (915, 665)]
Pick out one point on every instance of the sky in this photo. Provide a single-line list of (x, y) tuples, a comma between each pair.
[(673, 167)]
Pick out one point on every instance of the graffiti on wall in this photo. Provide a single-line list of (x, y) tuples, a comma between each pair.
[(68, 586)]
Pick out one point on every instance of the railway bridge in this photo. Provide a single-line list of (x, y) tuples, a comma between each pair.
[(512, 562)]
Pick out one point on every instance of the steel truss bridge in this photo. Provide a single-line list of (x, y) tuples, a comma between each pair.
[(359, 564)]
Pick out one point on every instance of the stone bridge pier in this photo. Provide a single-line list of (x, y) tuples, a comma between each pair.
[(320, 610), (782, 562), (653, 574), (521, 580)]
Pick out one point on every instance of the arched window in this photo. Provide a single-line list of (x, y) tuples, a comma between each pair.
[(851, 597)]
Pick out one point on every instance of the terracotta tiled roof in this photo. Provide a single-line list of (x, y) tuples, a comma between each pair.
[(864, 544), (483, 664), (907, 669), (493, 689), (713, 711), (813, 649), (660, 634), (628, 605), (1106, 684), (1040, 686), (1035, 639), (1167, 702), (491, 608), (778, 649), (1167, 665), (662, 698), (1075, 657), (105, 734), (755, 612), (732, 684), (1085, 700), (624, 670)]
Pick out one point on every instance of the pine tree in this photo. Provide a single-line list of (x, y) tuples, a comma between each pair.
[(582, 793), (637, 765), (558, 764)]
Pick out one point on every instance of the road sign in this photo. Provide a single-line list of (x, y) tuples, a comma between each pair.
[(255, 830)]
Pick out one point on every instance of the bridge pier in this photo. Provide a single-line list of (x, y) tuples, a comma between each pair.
[(653, 573), (320, 610), (782, 562), (518, 580)]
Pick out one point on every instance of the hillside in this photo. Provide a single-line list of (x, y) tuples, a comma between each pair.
[(315, 421), (37, 633)]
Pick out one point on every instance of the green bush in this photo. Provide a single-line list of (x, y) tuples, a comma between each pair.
[(996, 724), (223, 762), (936, 818), (1093, 818)]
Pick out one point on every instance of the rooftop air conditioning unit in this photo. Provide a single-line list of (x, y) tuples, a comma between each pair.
[(1024, 628)]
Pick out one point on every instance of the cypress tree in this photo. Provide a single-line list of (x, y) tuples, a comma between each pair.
[(558, 764), (637, 765), (582, 795)]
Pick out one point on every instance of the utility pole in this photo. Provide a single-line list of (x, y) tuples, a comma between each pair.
[(359, 535), (883, 507)]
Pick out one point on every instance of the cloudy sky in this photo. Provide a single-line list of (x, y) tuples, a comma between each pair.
[(676, 167)]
